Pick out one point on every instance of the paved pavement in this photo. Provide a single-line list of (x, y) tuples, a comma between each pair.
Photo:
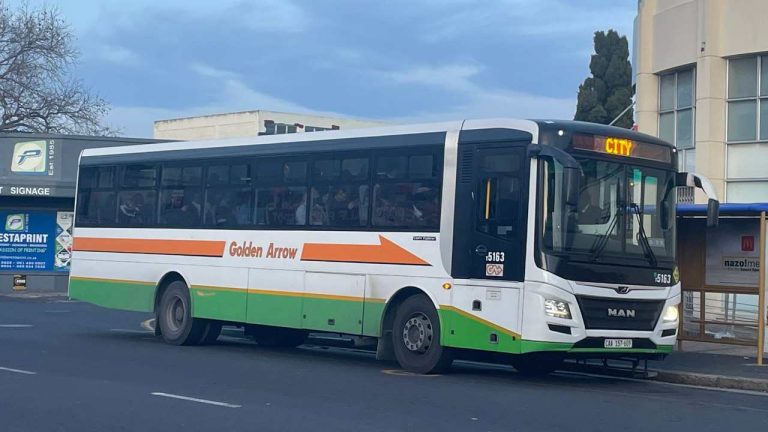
[(69, 366)]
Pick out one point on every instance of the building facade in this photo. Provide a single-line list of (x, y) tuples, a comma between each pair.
[(37, 201), (701, 75), (251, 123)]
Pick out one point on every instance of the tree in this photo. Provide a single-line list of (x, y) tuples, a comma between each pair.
[(37, 91), (604, 95)]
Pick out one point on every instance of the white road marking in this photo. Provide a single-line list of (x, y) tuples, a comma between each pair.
[(191, 399), (15, 325), (57, 311), (25, 372), (148, 325)]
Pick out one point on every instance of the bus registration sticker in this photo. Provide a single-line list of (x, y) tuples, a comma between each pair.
[(618, 343), (494, 270)]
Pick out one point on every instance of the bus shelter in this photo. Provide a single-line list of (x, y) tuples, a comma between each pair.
[(723, 275)]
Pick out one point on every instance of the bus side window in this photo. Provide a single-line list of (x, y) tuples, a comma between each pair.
[(407, 192), (96, 197), (228, 196)]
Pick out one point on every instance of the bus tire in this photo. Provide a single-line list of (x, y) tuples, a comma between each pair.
[(277, 337), (537, 364), (416, 337), (174, 317), (211, 333)]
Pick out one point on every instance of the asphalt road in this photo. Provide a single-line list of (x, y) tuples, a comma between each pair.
[(70, 366)]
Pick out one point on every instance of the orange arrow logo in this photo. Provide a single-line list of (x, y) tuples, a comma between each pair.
[(387, 252)]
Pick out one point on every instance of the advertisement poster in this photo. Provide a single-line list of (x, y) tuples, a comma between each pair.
[(63, 252), (733, 255), (27, 241)]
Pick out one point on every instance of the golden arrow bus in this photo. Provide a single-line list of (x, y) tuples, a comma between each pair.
[(537, 239)]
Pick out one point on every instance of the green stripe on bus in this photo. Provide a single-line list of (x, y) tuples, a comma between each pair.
[(117, 294), (461, 331), (214, 303)]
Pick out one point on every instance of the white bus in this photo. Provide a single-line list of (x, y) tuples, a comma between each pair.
[(537, 239)]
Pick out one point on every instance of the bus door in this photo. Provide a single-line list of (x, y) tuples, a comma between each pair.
[(491, 212)]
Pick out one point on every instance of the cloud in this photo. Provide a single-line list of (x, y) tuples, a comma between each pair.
[(229, 93), (117, 54), (525, 18), (475, 100)]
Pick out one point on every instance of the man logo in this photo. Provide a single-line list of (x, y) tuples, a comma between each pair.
[(29, 157), (621, 313)]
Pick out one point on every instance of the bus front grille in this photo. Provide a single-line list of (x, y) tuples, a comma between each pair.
[(615, 314)]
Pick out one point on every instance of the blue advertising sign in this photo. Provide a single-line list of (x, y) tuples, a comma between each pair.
[(28, 240)]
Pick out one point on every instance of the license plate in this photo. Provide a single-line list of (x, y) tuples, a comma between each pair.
[(618, 343)]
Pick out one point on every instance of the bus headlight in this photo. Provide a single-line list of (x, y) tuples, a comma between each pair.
[(670, 314), (557, 308)]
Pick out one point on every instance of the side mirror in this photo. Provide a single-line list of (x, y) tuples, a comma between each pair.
[(713, 212), (572, 180), (701, 182)]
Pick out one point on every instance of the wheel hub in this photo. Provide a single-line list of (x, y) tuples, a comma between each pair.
[(175, 314), (418, 333)]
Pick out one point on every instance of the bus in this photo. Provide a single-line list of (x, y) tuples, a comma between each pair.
[(531, 240)]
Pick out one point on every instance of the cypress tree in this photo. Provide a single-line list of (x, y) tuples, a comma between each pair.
[(605, 94)]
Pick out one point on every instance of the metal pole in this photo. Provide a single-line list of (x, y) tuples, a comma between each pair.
[(761, 293), (622, 113)]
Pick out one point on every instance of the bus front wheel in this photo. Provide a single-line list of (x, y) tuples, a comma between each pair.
[(416, 337), (175, 317)]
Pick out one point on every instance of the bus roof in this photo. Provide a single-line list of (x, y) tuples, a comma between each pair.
[(534, 127)]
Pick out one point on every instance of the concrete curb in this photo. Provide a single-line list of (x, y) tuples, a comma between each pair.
[(675, 377), (717, 381)]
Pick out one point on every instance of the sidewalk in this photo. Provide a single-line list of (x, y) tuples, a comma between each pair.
[(714, 365), (702, 364)]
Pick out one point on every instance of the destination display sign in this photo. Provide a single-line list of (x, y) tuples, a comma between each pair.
[(623, 147)]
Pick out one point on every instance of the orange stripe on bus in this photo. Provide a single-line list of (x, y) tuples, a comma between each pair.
[(210, 248), (387, 252)]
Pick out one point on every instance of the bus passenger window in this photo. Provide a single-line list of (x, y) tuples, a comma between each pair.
[(139, 176), (278, 206), (136, 208)]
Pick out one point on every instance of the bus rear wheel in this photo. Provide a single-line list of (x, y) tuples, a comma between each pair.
[(416, 337), (175, 317)]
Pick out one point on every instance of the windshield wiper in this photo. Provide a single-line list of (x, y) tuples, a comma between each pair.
[(642, 237), (601, 242)]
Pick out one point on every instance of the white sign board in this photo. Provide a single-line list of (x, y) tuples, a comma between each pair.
[(733, 256)]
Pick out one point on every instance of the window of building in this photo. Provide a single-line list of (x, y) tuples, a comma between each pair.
[(747, 129), (677, 113)]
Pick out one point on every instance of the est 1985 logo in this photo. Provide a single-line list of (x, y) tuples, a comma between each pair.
[(29, 157), (15, 222)]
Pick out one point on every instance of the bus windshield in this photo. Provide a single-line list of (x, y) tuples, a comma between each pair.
[(624, 212)]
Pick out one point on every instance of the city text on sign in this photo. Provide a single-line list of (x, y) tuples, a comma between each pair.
[(618, 146)]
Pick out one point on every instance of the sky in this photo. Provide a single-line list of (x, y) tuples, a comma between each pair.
[(395, 60)]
